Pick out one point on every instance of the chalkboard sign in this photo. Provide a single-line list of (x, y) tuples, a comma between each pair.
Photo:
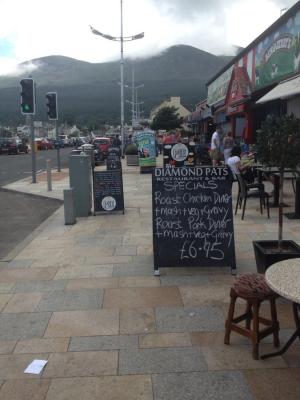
[(179, 155), (192, 217), (108, 191), (113, 161)]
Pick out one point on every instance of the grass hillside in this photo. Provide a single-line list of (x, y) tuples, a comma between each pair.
[(90, 92)]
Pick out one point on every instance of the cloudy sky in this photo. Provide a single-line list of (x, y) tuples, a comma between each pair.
[(36, 28)]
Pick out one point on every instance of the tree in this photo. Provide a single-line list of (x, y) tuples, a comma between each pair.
[(278, 145), (167, 118)]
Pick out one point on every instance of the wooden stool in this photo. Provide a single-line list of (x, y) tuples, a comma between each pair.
[(254, 290)]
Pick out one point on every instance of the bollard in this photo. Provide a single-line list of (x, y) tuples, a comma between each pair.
[(49, 176), (69, 207)]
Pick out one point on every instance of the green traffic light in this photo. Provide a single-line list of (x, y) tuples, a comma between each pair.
[(26, 107)]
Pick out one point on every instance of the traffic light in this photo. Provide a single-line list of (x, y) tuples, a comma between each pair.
[(52, 105), (27, 96)]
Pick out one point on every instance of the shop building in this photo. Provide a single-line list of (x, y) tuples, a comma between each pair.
[(262, 79), (200, 122)]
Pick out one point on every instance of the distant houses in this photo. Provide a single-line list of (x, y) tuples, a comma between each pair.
[(171, 102)]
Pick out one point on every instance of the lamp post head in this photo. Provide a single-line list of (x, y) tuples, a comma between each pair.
[(138, 36), (109, 37)]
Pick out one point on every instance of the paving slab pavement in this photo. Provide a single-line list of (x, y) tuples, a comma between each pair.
[(84, 297)]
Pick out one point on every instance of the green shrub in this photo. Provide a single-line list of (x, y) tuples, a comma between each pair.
[(131, 150)]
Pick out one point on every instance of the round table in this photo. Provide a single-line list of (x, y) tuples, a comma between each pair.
[(284, 278)]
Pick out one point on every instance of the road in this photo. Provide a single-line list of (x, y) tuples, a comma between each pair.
[(20, 213), (15, 167)]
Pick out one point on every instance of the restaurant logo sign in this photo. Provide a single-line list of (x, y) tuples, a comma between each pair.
[(283, 43), (108, 203), (278, 55), (179, 152)]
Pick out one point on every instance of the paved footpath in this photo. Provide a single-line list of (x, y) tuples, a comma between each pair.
[(84, 298)]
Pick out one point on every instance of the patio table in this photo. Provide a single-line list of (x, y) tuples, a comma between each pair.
[(272, 174), (284, 278)]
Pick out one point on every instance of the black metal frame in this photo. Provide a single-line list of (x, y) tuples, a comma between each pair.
[(295, 335), (245, 192)]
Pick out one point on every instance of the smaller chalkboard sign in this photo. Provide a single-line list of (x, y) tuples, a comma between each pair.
[(179, 155), (108, 191), (113, 162)]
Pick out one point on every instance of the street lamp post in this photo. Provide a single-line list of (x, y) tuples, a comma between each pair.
[(138, 103), (120, 39)]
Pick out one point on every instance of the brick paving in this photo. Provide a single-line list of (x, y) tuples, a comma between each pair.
[(84, 297)]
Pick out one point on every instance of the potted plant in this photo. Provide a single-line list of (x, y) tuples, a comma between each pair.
[(278, 145), (132, 155)]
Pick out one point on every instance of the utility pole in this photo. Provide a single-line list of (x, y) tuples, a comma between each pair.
[(132, 99), (28, 91), (120, 39)]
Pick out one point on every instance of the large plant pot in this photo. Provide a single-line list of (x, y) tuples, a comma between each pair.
[(267, 252), (132, 160)]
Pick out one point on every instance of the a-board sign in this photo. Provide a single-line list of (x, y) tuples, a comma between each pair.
[(179, 155), (108, 191), (113, 161), (192, 217), (146, 148)]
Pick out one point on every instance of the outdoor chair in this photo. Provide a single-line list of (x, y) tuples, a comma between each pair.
[(247, 190), (254, 290)]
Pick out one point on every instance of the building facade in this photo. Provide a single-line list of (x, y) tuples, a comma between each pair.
[(234, 93), (171, 102)]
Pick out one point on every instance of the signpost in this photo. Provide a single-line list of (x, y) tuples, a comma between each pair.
[(192, 218), (53, 116)]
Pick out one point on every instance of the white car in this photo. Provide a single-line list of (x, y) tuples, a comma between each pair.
[(64, 139)]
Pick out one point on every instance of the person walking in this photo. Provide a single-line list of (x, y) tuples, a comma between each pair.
[(228, 143), (215, 147), (160, 143)]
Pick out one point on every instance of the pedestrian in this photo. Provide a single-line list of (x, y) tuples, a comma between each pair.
[(169, 138), (215, 151), (197, 150), (228, 143), (117, 142), (160, 144)]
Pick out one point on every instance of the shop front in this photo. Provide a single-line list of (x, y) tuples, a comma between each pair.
[(237, 105), (269, 68)]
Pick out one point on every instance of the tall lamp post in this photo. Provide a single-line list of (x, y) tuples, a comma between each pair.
[(120, 39)]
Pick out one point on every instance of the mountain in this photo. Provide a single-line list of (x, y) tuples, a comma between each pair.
[(90, 93)]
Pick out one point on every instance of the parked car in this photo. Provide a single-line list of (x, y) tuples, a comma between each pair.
[(3, 145), (98, 156), (65, 140), (79, 141), (13, 146), (43, 144), (103, 144)]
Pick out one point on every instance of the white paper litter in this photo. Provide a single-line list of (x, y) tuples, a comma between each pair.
[(35, 367)]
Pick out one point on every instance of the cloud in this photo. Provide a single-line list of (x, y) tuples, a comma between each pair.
[(189, 8), (61, 27), (10, 68)]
